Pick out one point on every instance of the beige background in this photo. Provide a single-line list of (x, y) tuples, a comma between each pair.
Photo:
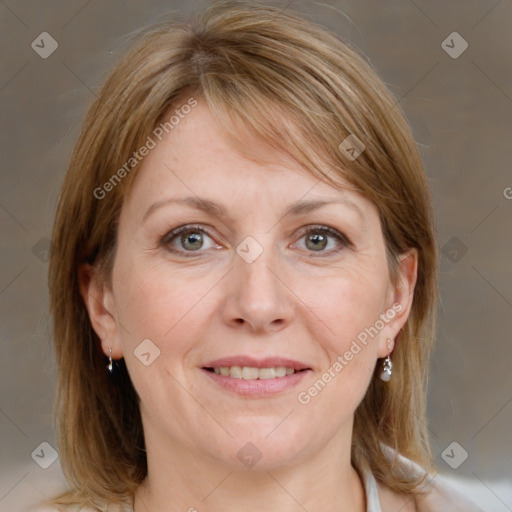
[(461, 113)]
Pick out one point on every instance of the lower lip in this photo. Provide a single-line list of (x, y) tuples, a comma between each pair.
[(257, 388)]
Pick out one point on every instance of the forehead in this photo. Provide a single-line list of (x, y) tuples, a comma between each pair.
[(199, 158)]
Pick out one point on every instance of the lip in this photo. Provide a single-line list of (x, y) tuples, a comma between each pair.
[(267, 362), (256, 388)]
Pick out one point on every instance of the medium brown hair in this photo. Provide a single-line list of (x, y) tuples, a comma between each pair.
[(299, 88)]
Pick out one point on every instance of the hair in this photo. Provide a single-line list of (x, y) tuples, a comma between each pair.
[(302, 90)]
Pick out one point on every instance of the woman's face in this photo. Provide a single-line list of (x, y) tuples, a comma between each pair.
[(262, 277)]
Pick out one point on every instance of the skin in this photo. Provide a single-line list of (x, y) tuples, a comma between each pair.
[(292, 301)]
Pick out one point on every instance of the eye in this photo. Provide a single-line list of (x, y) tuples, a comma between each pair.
[(317, 239), (188, 239)]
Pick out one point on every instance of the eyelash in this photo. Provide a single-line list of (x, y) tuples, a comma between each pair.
[(167, 239)]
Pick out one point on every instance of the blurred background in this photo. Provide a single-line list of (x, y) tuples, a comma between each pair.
[(449, 65)]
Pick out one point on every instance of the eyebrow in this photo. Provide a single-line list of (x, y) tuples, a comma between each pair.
[(217, 210)]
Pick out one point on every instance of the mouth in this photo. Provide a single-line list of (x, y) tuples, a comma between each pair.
[(253, 373), (253, 378)]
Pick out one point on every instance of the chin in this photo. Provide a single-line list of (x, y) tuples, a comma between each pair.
[(266, 450)]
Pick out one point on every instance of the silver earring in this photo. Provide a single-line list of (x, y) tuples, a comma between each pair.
[(109, 365), (387, 369)]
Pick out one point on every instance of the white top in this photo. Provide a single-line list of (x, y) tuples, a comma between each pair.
[(440, 497)]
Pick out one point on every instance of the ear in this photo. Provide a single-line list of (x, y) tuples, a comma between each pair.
[(99, 301), (399, 300)]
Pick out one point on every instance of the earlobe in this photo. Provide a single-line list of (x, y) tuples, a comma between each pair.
[(96, 296)]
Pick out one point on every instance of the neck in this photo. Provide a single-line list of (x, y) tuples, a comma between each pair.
[(180, 479)]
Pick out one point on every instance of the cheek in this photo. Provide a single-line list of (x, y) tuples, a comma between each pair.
[(169, 311), (352, 307), (346, 307), (159, 306)]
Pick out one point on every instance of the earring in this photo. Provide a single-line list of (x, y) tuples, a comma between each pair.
[(387, 369), (109, 366), (388, 365)]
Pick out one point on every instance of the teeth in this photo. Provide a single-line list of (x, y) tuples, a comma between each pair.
[(251, 373), (281, 371), (235, 372), (267, 373)]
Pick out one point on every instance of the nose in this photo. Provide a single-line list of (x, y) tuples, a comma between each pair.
[(258, 297)]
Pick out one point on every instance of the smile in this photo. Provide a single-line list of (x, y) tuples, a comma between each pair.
[(250, 377), (252, 373)]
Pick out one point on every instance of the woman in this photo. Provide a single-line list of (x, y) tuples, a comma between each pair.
[(243, 280)]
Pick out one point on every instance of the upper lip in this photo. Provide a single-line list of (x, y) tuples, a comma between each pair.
[(267, 362)]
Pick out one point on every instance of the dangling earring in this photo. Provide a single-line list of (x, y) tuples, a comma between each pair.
[(387, 369), (388, 365), (109, 365)]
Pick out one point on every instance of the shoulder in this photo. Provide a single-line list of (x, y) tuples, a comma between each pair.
[(437, 492), (440, 494)]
